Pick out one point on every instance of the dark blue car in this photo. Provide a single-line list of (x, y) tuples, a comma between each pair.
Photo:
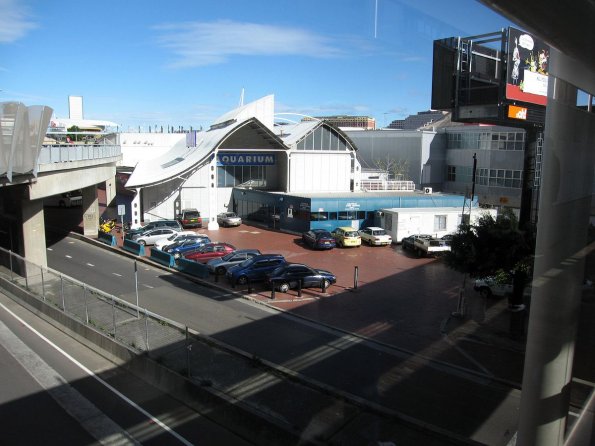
[(254, 269), (293, 275), (319, 239), (186, 246)]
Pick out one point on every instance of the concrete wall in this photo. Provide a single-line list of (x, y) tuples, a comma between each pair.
[(320, 172), (413, 146)]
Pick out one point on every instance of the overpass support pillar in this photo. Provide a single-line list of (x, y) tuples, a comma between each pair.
[(34, 247), (110, 190), (90, 211)]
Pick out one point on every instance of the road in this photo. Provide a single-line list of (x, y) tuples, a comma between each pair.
[(55, 391), (448, 390)]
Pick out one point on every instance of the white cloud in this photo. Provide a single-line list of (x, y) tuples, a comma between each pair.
[(199, 44), (14, 23)]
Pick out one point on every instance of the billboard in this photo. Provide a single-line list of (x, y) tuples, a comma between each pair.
[(527, 68)]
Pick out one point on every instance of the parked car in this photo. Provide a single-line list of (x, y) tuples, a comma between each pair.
[(65, 200), (290, 275), (177, 237), (447, 237), (221, 264), (319, 239), (375, 236), (186, 246), (489, 286), (227, 219), (254, 269), (408, 243), (173, 224), (210, 251), (190, 218), (347, 236), (151, 236)]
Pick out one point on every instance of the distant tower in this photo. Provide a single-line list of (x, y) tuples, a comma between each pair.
[(75, 107)]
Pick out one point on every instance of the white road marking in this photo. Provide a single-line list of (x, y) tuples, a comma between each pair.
[(93, 375), (116, 274), (148, 286), (68, 257), (50, 249), (90, 264), (95, 422)]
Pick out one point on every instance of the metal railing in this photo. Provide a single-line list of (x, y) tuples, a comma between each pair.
[(168, 342), (57, 153), (386, 185)]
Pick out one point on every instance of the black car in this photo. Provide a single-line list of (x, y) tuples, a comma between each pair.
[(289, 276), (319, 239)]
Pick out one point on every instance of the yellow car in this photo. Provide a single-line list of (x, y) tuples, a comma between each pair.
[(347, 236)]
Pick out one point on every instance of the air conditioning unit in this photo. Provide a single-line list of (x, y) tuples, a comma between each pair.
[(427, 190)]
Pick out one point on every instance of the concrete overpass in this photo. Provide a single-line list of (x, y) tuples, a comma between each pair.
[(31, 170)]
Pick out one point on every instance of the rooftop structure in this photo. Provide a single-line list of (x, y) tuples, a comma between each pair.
[(347, 122), (421, 119)]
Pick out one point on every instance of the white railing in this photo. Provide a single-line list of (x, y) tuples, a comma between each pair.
[(387, 185), (69, 152)]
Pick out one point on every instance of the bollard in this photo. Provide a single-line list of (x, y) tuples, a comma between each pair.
[(355, 277), (216, 275), (323, 286), (300, 288), (272, 290)]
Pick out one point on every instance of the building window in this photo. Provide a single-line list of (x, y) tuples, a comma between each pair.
[(318, 216), (230, 176), (451, 173), (439, 222), (505, 178), (348, 215), (481, 177)]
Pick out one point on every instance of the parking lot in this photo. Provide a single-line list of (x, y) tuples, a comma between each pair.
[(400, 300)]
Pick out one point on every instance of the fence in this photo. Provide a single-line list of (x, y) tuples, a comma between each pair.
[(171, 344), (387, 185), (77, 152)]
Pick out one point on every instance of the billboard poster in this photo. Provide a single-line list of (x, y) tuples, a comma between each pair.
[(527, 68)]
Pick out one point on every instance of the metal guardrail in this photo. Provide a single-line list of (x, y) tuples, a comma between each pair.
[(171, 344), (71, 152), (386, 185)]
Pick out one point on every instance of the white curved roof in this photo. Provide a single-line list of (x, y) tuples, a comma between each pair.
[(291, 134), (181, 159)]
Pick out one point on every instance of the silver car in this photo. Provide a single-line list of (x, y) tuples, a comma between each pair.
[(150, 237), (229, 219), (220, 265)]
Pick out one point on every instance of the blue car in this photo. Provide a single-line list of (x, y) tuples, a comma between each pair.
[(319, 239), (293, 275), (186, 246), (254, 269)]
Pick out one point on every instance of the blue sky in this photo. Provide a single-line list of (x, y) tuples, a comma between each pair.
[(184, 63)]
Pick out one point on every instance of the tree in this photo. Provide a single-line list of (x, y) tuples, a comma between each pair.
[(74, 136), (396, 168), (494, 247)]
